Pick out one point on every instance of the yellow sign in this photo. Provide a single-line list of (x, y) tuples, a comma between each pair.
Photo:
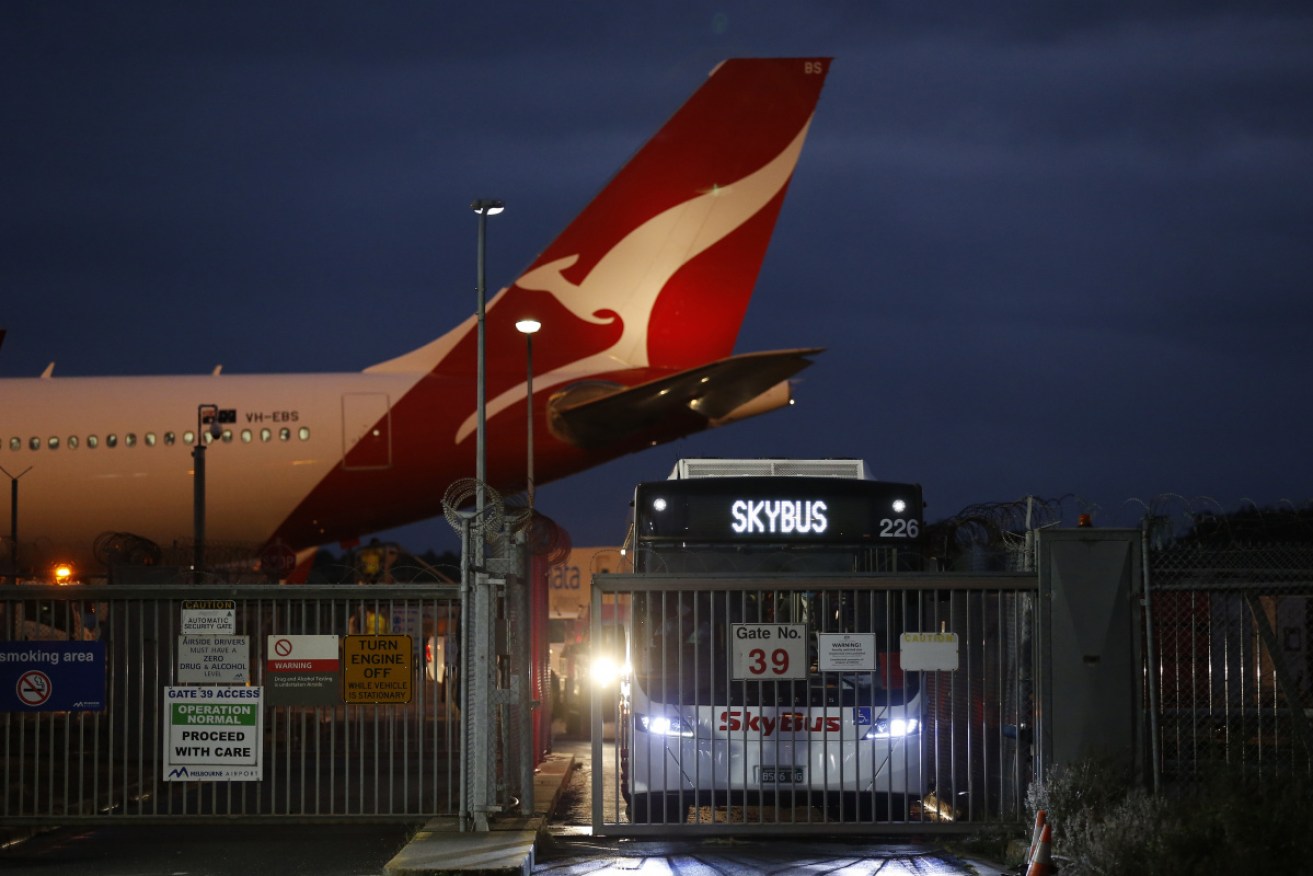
[(377, 669), (928, 652)]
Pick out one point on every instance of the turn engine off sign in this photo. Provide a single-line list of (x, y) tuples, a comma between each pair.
[(377, 669)]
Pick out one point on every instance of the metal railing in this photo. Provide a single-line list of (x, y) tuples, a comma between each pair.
[(67, 762)]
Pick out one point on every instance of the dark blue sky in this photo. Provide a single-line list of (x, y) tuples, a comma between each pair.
[(1058, 249)]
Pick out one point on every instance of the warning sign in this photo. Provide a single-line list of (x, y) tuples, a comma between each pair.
[(845, 652), (378, 669), (303, 670)]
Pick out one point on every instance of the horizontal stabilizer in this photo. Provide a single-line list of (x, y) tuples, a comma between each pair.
[(594, 415)]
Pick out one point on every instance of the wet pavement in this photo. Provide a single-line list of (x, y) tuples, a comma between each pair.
[(569, 849)]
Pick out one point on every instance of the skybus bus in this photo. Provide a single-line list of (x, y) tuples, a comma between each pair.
[(763, 655)]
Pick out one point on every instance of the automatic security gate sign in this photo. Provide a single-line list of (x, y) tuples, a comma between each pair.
[(769, 651)]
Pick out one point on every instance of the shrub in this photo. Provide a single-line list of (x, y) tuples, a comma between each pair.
[(1233, 823)]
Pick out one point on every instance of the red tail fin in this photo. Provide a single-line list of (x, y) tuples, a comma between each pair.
[(658, 269)]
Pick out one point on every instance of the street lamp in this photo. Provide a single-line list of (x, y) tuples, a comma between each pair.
[(484, 207), (528, 327)]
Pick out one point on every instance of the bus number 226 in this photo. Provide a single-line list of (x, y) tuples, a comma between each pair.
[(779, 661), (899, 527)]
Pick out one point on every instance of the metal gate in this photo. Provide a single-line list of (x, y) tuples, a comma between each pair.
[(64, 764), (789, 703)]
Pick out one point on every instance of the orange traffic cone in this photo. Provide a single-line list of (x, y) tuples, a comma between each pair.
[(1041, 863), (1041, 818)]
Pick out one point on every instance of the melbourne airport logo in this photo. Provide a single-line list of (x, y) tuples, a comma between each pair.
[(229, 773)]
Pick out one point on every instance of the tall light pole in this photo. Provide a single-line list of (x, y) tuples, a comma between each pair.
[(529, 327), (484, 207), (477, 655), (207, 422), (13, 522)]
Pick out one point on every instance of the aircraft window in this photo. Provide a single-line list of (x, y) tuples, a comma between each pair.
[(284, 434), (170, 438), (53, 442), (72, 442), (150, 439), (93, 441), (15, 443), (130, 439), (246, 436), (227, 436), (111, 440), (265, 435), (34, 443), (205, 436), (304, 433)]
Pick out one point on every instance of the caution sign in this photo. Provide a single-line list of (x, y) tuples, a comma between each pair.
[(928, 652), (303, 670), (205, 617), (212, 734), (378, 669)]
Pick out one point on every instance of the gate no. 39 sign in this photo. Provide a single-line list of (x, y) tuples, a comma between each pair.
[(769, 652)]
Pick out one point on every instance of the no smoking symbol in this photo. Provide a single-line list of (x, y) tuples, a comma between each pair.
[(33, 688), (283, 647)]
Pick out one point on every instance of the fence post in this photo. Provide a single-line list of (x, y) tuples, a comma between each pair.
[(1151, 655)]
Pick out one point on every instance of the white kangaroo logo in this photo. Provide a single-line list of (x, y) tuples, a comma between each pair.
[(640, 265)]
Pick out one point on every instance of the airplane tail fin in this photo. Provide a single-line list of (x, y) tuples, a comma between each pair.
[(657, 270)]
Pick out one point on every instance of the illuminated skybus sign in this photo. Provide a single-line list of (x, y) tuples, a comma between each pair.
[(823, 510)]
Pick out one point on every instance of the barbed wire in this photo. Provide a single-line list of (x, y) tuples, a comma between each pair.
[(1169, 518)]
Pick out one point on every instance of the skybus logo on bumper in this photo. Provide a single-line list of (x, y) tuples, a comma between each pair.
[(788, 722)]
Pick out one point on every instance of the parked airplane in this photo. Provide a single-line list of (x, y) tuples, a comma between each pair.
[(640, 300)]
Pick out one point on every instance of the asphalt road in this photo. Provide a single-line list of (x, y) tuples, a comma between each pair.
[(287, 849)]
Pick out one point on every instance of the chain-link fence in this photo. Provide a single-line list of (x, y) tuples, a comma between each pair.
[(1228, 633), (1230, 625)]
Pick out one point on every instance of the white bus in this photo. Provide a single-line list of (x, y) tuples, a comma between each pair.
[(764, 654)]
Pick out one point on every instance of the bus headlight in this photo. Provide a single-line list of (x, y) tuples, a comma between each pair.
[(663, 725), (895, 728)]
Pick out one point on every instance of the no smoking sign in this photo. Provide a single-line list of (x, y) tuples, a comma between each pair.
[(33, 688), (52, 676)]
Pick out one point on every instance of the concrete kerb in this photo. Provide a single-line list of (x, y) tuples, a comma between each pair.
[(440, 847)]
